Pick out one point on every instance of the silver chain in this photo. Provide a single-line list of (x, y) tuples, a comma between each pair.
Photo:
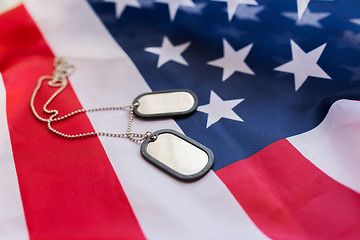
[(59, 79)]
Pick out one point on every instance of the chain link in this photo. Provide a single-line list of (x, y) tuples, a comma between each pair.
[(59, 79)]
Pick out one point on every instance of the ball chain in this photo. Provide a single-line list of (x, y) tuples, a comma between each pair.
[(59, 79)]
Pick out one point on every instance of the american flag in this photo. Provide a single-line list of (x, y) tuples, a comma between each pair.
[(278, 83)]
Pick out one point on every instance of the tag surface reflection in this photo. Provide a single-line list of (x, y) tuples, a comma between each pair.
[(178, 155), (172, 103)]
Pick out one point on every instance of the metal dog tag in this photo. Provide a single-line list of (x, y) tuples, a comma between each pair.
[(172, 103), (177, 155)]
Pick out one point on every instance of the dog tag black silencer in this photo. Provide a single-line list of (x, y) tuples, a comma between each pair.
[(177, 155), (171, 103)]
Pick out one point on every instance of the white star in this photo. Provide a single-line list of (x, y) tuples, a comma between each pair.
[(356, 73), (168, 52), (233, 4), (308, 18), (174, 5), (350, 39), (301, 7), (121, 4), (304, 64), (245, 12), (233, 61), (355, 20), (218, 108), (197, 10)]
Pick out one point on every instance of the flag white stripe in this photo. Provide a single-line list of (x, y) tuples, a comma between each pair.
[(5, 5), (164, 207), (334, 145), (12, 218)]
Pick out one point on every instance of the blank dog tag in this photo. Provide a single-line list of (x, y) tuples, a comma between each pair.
[(172, 103), (177, 155)]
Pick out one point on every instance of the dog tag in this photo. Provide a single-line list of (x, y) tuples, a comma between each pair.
[(177, 155), (171, 103)]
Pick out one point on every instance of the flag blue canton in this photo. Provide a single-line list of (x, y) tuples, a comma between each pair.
[(285, 75)]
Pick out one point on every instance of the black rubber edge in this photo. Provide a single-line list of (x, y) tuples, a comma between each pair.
[(164, 115), (170, 171)]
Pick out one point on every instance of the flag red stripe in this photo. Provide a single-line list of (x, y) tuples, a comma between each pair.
[(68, 188), (289, 198)]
